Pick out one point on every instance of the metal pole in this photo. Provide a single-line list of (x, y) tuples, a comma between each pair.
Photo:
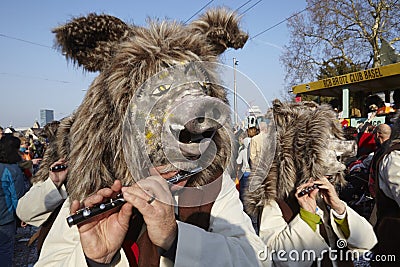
[(235, 62), (345, 103)]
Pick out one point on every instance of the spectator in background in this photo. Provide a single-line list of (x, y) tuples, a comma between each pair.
[(26, 163), (12, 188), (350, 133), (382, 134), (24, 149), (257, 143), (387, 189), (48, 197), (252, 131), (382, 138), (366, 141), (396, 99), (1, 132), (243, 162), (29, 163)]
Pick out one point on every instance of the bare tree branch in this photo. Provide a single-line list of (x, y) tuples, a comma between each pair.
[(332, 31)]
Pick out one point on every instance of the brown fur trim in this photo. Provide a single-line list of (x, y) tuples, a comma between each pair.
[(49, 130), (58, 147)]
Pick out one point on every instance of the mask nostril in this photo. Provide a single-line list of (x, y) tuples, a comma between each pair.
[(208, 134), (185, 137), (216, 113)]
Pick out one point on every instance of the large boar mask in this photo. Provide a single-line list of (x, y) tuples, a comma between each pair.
[(157, 99)]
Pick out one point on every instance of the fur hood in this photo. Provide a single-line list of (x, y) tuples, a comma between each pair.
[(303, 142), (126, 56)]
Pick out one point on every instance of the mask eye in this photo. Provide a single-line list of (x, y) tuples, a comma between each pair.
[(161, 89)]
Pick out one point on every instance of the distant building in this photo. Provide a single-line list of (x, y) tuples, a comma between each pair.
[(9, 130), (25, 132), (46, 116), (32, 132)]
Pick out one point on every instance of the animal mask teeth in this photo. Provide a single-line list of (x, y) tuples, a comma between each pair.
[(177, 127)]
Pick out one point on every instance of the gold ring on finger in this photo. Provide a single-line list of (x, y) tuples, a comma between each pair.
[(153, 197)]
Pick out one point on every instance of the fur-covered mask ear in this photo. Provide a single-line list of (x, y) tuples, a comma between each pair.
[(88, 41), (221, 29), (91, 41)]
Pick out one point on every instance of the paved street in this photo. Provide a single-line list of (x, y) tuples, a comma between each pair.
[(23, 255)]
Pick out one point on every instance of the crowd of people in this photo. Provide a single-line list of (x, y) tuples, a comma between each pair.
[(19, 161), (167, 169), (375, 167)]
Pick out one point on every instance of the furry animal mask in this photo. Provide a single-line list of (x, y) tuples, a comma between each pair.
[(134, 65), (308, 140)]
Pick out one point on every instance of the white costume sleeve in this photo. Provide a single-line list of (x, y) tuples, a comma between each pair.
[(230, 241), (362, 236), (286, 242), (37, 204), (62, 245), (291, 244), (389, 171)]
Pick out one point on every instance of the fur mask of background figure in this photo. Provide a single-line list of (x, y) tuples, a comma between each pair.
[(309, 144)]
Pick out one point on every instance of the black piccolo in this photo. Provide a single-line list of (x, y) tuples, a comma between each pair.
[(86, 213), (183, 175), (307, 190), (90, 212), (58, 168)]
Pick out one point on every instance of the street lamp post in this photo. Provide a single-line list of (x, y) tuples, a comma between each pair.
[(235, 63)]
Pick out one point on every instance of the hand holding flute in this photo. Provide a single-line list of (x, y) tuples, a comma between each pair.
[(306, 195), (102, 235), (58, 172), (89, 212), (330, 196)]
